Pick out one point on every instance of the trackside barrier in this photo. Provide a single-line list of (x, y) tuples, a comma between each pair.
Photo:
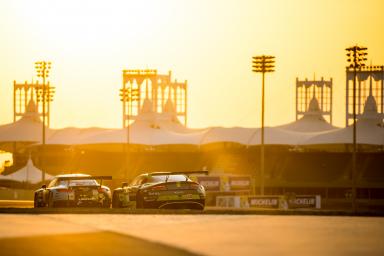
[(271, 202), (232, 201), (16, 194), (302, 201), (274, 202), (225, 183)]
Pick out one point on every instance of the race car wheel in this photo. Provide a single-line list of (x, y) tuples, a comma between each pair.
[(116, 201), (106, 203), (139, 201), (35, 202), (51, 203)]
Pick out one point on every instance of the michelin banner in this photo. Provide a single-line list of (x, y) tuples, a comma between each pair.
[(270, 202)]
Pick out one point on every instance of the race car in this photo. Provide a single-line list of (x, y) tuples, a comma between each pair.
[(161, 190), (74, 190)]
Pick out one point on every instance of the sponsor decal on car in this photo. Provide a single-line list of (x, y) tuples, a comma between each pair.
[(178, 197)]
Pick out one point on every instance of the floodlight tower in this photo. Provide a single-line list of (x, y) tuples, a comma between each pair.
[(42, 69), (356, 57), (128, 95), (262, 64)]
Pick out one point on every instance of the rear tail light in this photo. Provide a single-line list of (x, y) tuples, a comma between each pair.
[(159, 187), (101, 190)]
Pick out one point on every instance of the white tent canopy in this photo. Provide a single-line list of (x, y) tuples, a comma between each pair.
[(236, 134), (312, 121), (26, 129), (145, 133), (72, 135), (276, 136), (151, 128), (369, 129), (28, 173)]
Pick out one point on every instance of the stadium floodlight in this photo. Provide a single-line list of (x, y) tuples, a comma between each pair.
[(262, 64), (42, 70), (129, 95), (356, 58)]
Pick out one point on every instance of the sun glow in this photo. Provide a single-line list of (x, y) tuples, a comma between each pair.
[(208, 43)]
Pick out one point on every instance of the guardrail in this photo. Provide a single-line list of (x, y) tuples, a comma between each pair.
[(16, 194)]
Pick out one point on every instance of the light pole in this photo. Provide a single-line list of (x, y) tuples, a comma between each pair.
[(128, 95), (356, 57), (42, 69), (262, 64)]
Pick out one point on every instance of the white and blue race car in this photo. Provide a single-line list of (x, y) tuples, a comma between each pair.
[(74, 190)]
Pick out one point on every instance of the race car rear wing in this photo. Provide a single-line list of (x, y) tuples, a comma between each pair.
[(86, 178), (101, 178), (187, 174), (176, 173)]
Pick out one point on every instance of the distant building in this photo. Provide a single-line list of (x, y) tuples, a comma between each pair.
[(369, 81), (159, 91), (307, 90), (28, 100)]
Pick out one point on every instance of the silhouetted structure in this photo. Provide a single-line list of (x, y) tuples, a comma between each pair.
[(26, 94), (321, 90), (370, 81), (357, 55), (262, 64), (164, 94)]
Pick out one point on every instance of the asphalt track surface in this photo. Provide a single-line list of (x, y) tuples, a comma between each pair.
[(149, 234), (26, 207), (28, 231)]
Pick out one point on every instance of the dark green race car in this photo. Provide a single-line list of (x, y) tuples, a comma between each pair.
[(161, 190)]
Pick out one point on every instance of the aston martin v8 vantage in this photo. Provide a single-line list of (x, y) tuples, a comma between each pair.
[(161, 190), (74, 190)]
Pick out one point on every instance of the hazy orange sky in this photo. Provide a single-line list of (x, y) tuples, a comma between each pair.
[(209, 43)]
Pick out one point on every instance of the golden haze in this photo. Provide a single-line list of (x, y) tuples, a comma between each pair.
[(209, 43)]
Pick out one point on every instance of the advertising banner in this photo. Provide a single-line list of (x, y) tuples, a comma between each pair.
[(282, 202), (209, 183), (232, 201), (302, 201), (264, 201), (240, 183)]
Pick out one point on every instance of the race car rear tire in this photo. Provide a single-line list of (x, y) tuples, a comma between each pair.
[(106, 203), (139, 201), (116, 203), (35, 202), (51, 203)]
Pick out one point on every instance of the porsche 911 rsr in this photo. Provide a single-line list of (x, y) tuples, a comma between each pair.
[(73, 190), (161, 190)]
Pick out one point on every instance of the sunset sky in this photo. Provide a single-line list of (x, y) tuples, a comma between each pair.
[(209, 43)]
